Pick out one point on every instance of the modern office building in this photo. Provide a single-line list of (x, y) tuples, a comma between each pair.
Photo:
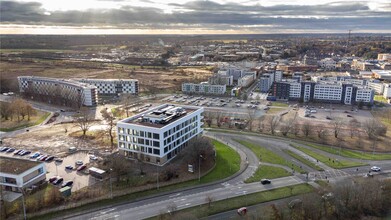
[(328, 92), (377, 86), (158, 135), (16, 174), (218, 79), (246, 81), (387, 91), (204, 88), (113, 86), (58, 91)]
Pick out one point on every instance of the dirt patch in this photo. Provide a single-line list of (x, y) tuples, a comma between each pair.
[(54, 140)]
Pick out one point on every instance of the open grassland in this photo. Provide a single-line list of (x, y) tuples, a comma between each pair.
[(337, 164), (269, 156), (303, 160)]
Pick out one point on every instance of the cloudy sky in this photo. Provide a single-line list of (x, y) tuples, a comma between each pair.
[(193, 16)]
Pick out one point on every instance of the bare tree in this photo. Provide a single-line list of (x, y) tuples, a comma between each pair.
[(196, 147), (285, 128), (373, 128), (84, 120), (322, 133), (354, 125), (118, 165), (128, 100), (295, 129), (251, 114), (337, 126), (209, 199), (109, 118), (30, 111), (306, 129), (273, 123)]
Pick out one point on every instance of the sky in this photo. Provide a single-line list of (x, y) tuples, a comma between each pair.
[(194, 16)]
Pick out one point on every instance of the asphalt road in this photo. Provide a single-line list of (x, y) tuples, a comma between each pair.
[(235, 187)]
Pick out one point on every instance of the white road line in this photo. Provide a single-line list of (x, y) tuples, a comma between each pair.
[(179, 206)]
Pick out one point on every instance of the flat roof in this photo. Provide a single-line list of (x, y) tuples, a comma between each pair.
[(16, 166), (136, 119)]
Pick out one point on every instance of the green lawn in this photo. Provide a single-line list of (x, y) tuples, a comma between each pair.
[(303, 160), (279, 104), (275, 110), (380, 98), (329, 161), (267, 172), (227, 164), (269, 156), (351, 153), (203, 211)]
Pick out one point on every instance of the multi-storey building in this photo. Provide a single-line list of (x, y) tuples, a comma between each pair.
[(158, 135), (327, 64), (387, 91), (60, 91), (384, 56), (218, 79), (266, 82), (17, 174), (246, 81), (113, 86), (330, 92), (204, 88), (377, 86)]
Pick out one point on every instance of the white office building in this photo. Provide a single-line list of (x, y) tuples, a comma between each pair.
[(158, 135), (113, 86), (204, 88), (332, 92), (387, 91), (377, 86), (245, 81), (59, 91), (17, 174)]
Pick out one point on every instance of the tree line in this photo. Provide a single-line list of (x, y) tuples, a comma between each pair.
[(18, 109)]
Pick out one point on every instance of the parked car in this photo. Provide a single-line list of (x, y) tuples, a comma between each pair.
[(49, 158), (93, 157), (17, 152), (82, 167), (58, 181), (79, 162), (44, 158), (265, 181), (5, 149), (35, 155), (10, 150), (69, 167), (53, 178), (375, 169), (25, 153), (58, 160), (21, 152), (67, 183)]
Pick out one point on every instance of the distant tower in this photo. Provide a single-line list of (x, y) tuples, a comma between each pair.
[(348, 44)]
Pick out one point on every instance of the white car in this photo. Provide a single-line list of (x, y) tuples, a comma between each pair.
[(375, 169), (79, 162)]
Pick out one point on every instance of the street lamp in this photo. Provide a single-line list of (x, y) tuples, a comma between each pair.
[(23, 203), (199, 167), (111, 186), (157, 177)]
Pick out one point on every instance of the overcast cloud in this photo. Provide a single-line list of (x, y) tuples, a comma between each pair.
[(209, 15)]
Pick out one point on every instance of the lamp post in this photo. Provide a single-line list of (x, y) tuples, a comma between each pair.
[(157, 177), (111, 186), (23, 204), (199, 168)]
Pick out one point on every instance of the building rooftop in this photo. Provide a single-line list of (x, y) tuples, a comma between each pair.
[(57, 80), (160, 116), (16, 166)]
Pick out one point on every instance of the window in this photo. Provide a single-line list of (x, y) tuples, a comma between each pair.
[(142, 133), (156, 144), (149, 135), (156, 151), (155, 136)]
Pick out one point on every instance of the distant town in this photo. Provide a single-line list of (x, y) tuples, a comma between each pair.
[(195, 127)]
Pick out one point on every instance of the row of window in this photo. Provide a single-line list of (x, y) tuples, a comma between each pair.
[(135, 132)]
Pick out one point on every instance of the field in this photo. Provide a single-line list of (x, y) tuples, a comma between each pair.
[(169, 79), (267, 172)]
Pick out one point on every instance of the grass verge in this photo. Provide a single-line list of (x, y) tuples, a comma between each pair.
[(337, 164), (240, 201), (226, 157), (279, 104), (303, 160), (268, 172), (351, 153), (26, 124), (269, 156)]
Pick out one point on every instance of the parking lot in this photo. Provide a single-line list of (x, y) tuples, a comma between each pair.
[(80, 178), (342, 113)]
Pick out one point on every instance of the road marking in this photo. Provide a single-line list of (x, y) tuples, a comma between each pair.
[(175, 195), (179, 206), (104, 212), (180, 200)]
